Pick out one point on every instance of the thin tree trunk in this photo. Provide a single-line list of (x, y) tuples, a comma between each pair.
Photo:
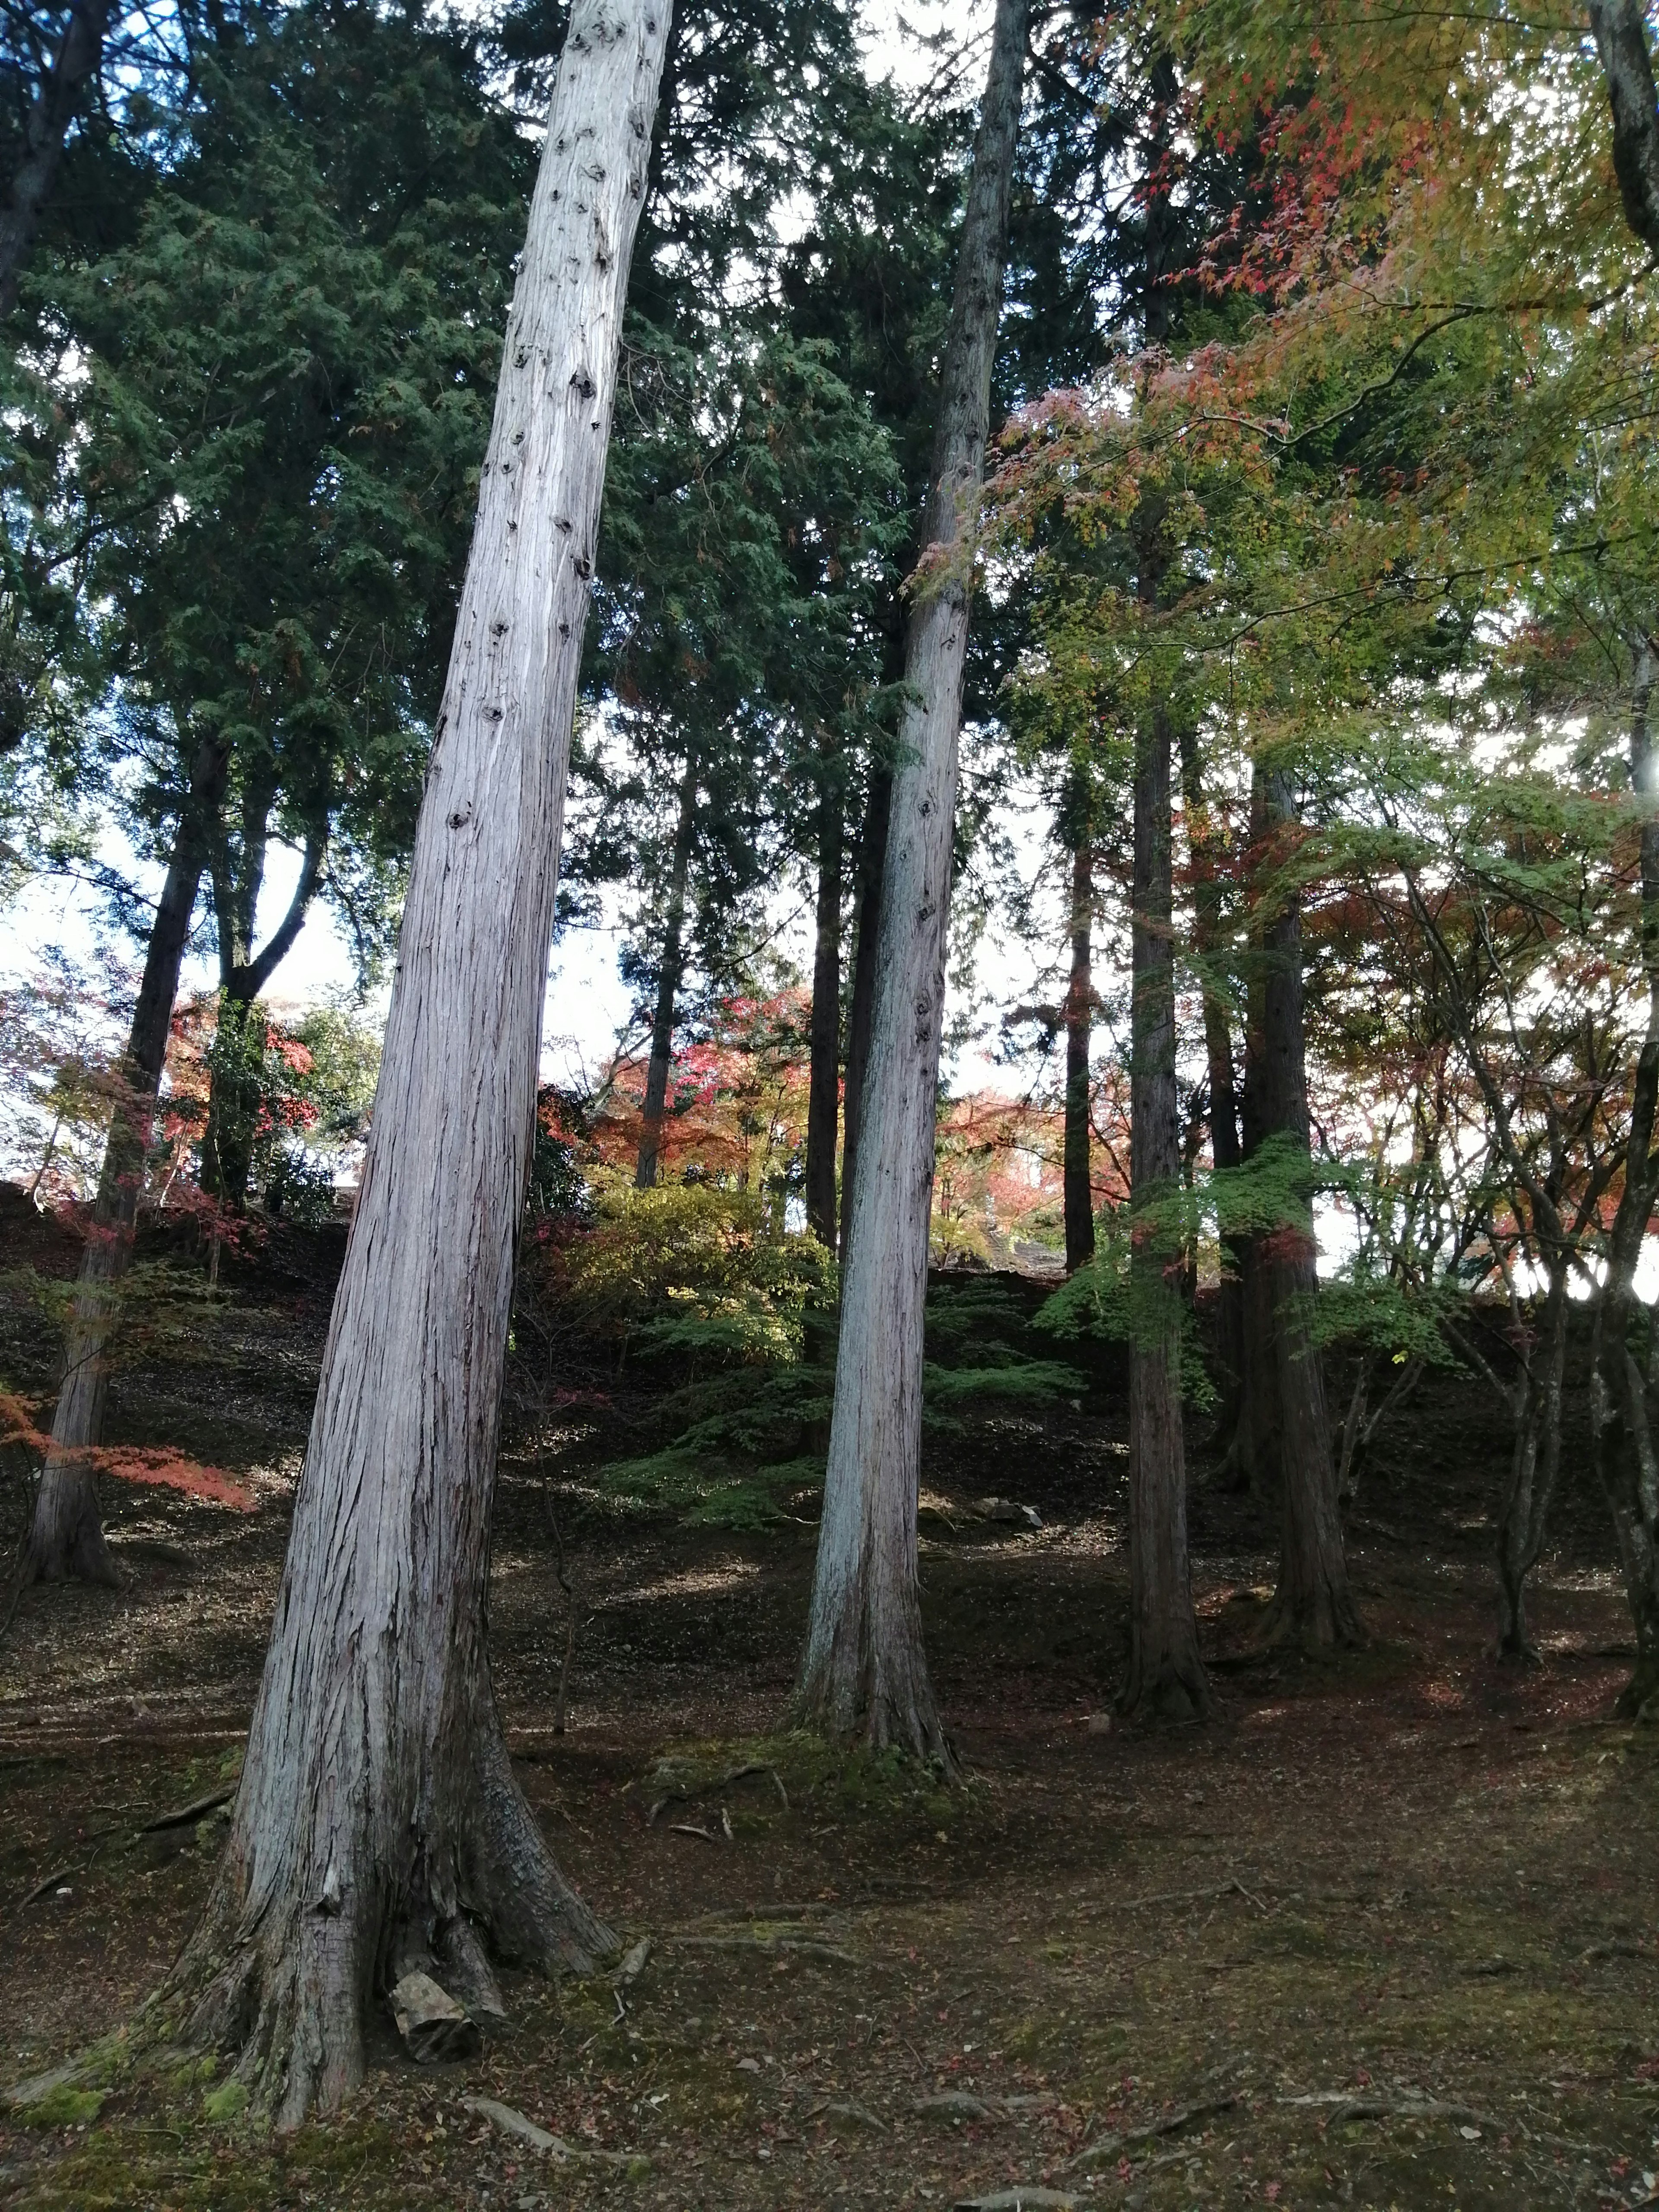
[(234, 1086), (1166, 1679), (872, 862), (668, 987), (66, 1539), (864, 1670), (824, 1091), (1624, 1374), (378, 1826), (80, 51), (1314, 1604), (1533, 1465), (1078, 1184), (1204, 847)]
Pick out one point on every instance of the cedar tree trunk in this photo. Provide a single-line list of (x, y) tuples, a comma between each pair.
[(872, 862), (67, 1538), (864, 1670), (1079, 1195), (1624, 1371), (1209, 945), (1166, 1678), (1314, 1604), (668, 987), (379, 1827), (823, 1092), (80, 51)]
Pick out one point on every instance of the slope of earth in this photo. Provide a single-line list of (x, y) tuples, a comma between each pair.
[(1382, 1934)]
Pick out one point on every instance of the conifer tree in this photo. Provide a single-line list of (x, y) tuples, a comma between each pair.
[(378, 1827), (864, 1669)]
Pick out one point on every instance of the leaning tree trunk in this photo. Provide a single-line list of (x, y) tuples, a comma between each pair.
[(66, 1539), (1314, 1603), (823, 1088), (1624, 1359), (1534, 1463), (378, 1826), (668, 987), (1166, 1679), (1078, 1183), (864, 1670), (80, 53)]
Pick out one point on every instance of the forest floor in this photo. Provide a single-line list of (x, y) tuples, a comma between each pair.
[(1385, 1932)]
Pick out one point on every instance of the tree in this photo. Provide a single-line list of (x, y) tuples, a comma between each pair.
[(267, 456), (378, 1826), (66, 1535), (51, 107), (864, 1669)]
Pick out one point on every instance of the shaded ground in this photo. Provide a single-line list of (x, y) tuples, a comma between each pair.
[(1384, 1933)]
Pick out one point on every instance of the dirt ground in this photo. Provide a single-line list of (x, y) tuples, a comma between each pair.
[(1384, 1933)]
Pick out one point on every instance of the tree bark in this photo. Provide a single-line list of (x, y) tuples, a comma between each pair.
[(1166, 1679), (1314, 1604), (1534, 1463), (378, 1825), (1205, 850), (66, 1538), (1078, 1183), (864, 1669), (1624, 1374), (824, 1090), (80, 51), (668, 986), (872, 862), (1621, 40)]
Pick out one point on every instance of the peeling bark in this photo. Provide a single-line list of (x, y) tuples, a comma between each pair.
[(864, 1671), (1534, 1463), (66, 1538), (377, 1823), (873, 860)]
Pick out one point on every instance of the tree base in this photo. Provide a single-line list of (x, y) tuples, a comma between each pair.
[(1171, 1696), (282, 1990), (1328, 1622), (66, 1540)]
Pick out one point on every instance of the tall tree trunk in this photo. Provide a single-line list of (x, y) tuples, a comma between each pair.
[(1621, 41), (234, 1086), (873, 863), (1314, 1604), (75, 64), (824, 1091), (864, 1669), (67, 1538), (1534, 1463), (668, 986), (378, 1826), (1624, 1368), (1078, 1184), (1166, 1678), (1205, 848)]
